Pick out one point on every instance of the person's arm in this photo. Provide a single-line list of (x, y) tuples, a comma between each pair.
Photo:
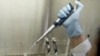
[(79, 42)]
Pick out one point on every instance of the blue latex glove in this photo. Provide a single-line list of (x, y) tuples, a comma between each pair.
[(72, 24)]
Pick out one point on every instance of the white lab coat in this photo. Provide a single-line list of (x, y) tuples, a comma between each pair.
[(82, 49)]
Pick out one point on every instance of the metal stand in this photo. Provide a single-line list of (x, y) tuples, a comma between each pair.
[(55, 47)]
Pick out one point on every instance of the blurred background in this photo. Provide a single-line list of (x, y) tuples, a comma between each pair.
[(22, 22)]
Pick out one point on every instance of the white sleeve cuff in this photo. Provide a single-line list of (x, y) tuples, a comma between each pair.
[(82, 49)]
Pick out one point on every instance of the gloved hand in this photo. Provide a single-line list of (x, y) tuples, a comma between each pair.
[(71, 24)]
